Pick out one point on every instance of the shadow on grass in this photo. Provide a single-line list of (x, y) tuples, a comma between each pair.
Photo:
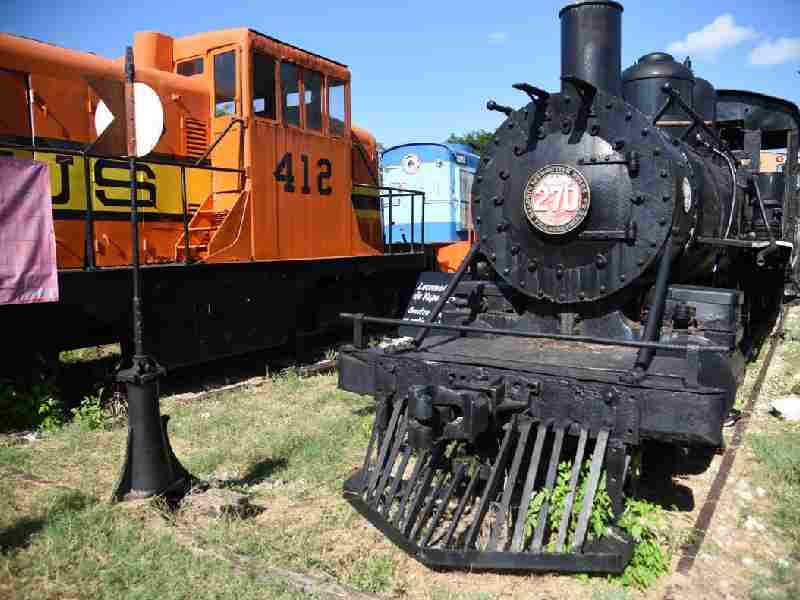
[(365, 410), (20, 534), (260, 471), (666, 493)]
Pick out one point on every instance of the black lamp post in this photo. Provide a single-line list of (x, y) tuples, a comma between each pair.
[(151, 468)]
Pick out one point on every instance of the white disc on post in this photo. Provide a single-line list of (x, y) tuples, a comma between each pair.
[(149, 115)]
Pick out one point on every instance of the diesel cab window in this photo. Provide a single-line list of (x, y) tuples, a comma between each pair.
[(290, 93), (312, 89), (225, 84), (264, 86)]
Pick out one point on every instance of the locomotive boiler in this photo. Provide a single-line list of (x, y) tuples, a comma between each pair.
[(628, 249)]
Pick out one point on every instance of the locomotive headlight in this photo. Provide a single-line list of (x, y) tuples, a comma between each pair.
[(686, 188)]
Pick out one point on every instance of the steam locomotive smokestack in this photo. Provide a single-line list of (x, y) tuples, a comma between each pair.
[(591, 43)]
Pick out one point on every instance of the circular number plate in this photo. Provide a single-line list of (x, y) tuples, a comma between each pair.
[(556, 199)]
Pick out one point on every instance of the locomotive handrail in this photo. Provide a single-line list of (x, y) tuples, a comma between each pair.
[(89, 261), (153, 161), (360, 319), (233, 122), (401, 193)]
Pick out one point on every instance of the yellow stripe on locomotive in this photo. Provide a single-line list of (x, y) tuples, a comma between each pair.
[(158, 185)]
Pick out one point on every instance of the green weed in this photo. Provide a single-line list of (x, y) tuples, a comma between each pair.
[(641, 519), (780, 454), (89, 415), (783, 583)]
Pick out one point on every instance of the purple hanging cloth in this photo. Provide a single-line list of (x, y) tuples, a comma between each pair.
[(28, 269)]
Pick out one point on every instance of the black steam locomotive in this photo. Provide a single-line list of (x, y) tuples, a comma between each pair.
[(628, 247)]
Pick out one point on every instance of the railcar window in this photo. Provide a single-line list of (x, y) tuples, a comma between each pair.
[(190, 67), (225, 84), (336, 106), (264, 86), (312, 86), (290, 92)]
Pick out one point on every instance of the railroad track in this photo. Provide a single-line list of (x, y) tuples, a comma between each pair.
[(317, 368), (690, 552)]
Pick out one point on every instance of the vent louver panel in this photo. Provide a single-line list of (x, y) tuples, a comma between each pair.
[(196, 136)]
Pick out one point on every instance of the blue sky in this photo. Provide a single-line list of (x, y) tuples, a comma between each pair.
[(424, 69)]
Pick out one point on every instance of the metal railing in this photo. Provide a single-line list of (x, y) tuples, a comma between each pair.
[(387, 196), (359, 336), (89, 238)]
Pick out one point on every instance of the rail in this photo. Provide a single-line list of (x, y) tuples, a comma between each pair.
[(89, 254), (359, 320), (387, 196)]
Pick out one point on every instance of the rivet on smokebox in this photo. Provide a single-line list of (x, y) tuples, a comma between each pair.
[(622, 277), (514, 250), (506, 270), (533, 265), (560, 271), (602, 289), (601, 261), (628, 116)]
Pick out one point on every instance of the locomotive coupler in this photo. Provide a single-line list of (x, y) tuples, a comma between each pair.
[(439, 412)]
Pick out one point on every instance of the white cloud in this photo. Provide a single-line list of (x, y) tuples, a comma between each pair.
[(776, 52), (498, 37), (721, 33)]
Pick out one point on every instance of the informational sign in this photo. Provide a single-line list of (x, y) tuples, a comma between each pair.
[(28, 272), (430, 287)]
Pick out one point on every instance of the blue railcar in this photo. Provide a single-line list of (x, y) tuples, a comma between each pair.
[(445, 173)]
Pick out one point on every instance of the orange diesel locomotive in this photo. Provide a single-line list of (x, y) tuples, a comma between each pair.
[(259, 205)]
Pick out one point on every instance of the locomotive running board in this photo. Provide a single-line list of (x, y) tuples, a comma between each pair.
[(446, 512)]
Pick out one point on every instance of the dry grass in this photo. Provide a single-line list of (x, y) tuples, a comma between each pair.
[(290, 444)]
